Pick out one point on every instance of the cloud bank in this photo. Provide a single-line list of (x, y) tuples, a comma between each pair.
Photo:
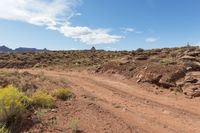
[(54, 15)]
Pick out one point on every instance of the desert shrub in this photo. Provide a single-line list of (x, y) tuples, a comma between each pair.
[(180, 50), (12, 104), (63, 94), (42, 99), (155, 59), (157, 50), (167, 62), (74, 125), (174, 54)]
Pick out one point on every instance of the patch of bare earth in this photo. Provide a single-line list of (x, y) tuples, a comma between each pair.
[(92, 118), (107, 104)]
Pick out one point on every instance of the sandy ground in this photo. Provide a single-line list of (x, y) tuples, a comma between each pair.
[(107, 104)]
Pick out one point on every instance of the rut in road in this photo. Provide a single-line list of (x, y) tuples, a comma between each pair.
[(136, 106)]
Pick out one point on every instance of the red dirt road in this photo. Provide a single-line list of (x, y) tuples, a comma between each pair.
[(132, 108)]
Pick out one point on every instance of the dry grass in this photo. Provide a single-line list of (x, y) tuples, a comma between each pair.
[(74, 125), (63, 94)]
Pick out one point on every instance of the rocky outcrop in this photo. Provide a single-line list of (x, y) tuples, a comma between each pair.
[(188, 58), (93, 49), (190, 84), (161, 76)]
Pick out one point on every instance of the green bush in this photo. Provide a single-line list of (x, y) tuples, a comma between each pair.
[(42, 99), (63, 94), (12, 103)]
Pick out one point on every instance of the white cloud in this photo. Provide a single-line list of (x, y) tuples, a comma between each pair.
[(128, 29), (89, 36), (151, 40), (54, 15), (125, 30), (78, 14), (36, 12)]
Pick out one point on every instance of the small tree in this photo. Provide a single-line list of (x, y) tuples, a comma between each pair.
[(140, 50)]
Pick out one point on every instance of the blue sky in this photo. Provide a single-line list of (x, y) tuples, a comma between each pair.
[(105, 24)]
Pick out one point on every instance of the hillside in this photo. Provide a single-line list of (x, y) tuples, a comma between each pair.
[(101, 91)]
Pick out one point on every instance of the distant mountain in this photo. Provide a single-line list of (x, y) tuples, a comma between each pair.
[(24, 50), (20, 49), (5, 49)]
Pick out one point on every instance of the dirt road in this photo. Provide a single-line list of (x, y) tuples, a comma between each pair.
[(142, 110)]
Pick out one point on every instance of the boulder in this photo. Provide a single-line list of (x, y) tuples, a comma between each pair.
[(176, 89), (192, 66), (124, 62), (196, 94), (194, 53), (192, 91), (151, 78), (141, 58), (191, 80), (188, 58), (166, 84)]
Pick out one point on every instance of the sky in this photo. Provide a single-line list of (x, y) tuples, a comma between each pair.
[(105, 24)]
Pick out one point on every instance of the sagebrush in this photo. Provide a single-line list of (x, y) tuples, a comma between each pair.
[(42, 99)]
